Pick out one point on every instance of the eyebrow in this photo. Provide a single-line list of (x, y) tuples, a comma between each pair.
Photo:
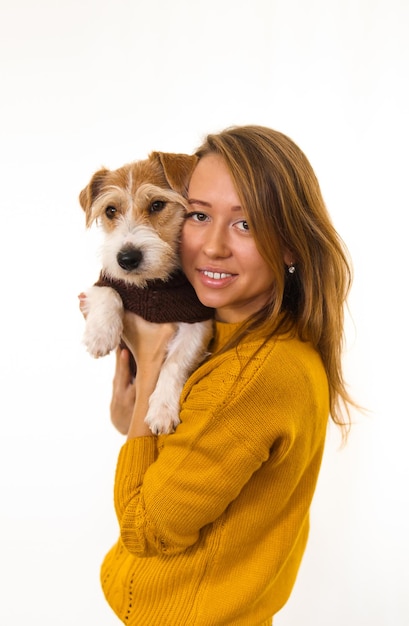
[(207, 204), (200, 202)]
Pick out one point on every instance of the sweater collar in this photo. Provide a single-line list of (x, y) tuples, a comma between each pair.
[(223, 331)]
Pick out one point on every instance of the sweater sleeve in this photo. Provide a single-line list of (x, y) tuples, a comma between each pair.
[(185, 489), (164, 498)]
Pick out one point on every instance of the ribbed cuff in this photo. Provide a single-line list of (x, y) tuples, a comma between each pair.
[(135, 456)]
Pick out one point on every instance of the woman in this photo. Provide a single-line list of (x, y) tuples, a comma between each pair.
[(214, 518)]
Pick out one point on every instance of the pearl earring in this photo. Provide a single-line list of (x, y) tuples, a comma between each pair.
[(291, 268)]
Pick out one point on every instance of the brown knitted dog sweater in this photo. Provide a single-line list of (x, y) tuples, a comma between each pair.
[(173, 300)]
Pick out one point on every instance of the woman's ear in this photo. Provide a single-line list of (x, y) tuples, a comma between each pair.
[(288, 257)]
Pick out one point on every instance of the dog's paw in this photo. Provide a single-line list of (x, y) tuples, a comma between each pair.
[(104, 321), (100, 343), (163, 422), (99, 339)]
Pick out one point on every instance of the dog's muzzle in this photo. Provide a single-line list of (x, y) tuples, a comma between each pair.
[(129, 259)]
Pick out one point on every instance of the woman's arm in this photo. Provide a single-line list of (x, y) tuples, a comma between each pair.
[(168, 489), (148, 343)]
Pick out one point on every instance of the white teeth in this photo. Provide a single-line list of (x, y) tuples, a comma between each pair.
[(216, 275)]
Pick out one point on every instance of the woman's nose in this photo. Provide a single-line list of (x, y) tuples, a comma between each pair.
[(216, 243)]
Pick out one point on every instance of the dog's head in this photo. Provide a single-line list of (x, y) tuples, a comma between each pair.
[(140, 207)]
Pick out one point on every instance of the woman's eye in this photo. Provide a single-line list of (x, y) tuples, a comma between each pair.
[(157, 205), (243, 226), (196, 216), (110, 212)]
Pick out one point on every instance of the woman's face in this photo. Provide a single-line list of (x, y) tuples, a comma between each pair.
[(219, 254)]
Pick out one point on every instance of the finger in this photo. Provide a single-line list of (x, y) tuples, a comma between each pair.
[(122, 376), (83, 303)]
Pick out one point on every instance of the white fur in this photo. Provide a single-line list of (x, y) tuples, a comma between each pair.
[(159, 258), (103, 326)]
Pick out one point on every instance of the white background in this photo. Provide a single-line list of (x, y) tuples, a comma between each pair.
[(86, 83)]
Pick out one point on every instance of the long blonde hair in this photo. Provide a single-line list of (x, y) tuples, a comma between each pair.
[(282, 200)]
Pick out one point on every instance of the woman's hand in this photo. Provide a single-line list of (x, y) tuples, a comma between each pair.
[(123, 389)]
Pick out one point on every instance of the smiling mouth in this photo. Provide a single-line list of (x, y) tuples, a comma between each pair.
[(216, 275)]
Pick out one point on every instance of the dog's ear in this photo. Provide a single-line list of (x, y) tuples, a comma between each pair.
[(178, 169), (90, 192)]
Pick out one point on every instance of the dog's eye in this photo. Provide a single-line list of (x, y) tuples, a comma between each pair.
[(110, 212), (157, 205)]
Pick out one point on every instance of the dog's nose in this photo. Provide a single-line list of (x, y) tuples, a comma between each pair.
[(129, 259)]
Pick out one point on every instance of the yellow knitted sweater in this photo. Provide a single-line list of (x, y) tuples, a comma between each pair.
[(214, 518)]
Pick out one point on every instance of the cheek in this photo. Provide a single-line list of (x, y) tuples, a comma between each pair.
[(188, 241), (258, 266), (266, 276), (186, 253)]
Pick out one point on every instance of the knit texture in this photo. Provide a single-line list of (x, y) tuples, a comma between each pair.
[(173, 300), (214, 518)]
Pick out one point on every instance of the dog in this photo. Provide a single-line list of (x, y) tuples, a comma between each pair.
[(141, 208)]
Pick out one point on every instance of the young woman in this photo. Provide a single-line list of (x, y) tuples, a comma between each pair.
[(214, 518)]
